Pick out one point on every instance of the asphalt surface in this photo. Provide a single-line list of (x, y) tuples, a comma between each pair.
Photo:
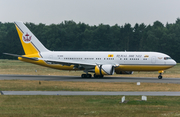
[(88, 93), (79, 79)]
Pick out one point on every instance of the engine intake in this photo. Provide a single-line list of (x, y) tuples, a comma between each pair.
[(104, 70)]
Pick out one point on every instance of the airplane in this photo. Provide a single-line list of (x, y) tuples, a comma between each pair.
[(100, 63)]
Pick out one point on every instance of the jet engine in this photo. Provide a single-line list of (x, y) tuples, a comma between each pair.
[(104, 70), (124, 72)]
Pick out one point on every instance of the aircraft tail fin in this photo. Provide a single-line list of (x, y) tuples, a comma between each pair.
[(30, 43)]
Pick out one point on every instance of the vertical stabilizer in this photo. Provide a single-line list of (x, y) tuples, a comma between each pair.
[(30, 43)]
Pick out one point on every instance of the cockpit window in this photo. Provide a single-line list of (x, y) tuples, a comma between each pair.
[(167, 58)]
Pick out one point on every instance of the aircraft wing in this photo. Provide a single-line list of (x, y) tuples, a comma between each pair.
[(68, 63)]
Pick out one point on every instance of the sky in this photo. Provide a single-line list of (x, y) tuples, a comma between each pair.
[(92, 12)]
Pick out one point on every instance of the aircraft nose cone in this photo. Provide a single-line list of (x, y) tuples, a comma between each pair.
[(174, 62)]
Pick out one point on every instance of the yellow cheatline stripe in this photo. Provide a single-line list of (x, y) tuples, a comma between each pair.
[(142, 67)]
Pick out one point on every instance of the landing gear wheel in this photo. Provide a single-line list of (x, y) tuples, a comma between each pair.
[(101, 76), (86, 76), (83, 76), (159, 77), (95, 76), (98, 76)]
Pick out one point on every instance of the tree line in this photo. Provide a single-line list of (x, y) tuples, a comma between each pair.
[(71, 36)]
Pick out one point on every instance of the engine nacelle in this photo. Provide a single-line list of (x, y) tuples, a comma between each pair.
[(104, 70), (124, 72)]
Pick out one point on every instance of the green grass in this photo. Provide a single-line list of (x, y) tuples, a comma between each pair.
[(80, 106), (33, 85)]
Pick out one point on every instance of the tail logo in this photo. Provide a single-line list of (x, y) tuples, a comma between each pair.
[(27, 38)]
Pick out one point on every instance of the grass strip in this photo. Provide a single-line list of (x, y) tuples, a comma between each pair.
[(101, 106), (28, 85)]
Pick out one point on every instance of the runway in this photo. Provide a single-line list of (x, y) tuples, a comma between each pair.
[(79, 79), (88, 93)]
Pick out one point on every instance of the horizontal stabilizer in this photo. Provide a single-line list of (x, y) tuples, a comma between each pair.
[(35, 59)]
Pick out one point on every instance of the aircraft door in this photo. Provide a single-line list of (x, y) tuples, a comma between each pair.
[(153, 59)]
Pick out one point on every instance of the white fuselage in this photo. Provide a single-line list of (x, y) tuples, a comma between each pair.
[(114, 58)]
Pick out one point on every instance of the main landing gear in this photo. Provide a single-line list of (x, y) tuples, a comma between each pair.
[(160, 74), (86, 76), (98, 76), (90, 76)]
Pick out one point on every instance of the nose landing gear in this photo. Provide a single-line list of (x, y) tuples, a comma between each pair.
[(160, 74)]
